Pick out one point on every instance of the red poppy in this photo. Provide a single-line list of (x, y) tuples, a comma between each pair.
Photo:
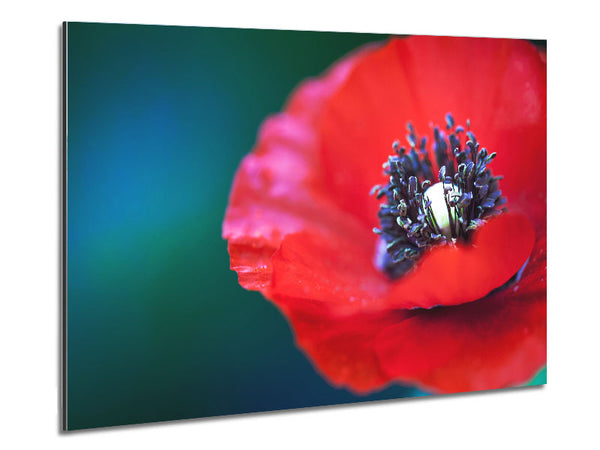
[(300, 219)]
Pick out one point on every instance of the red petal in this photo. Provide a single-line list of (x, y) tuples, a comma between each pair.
[(496, 342), (451, 275), (334, 271), (343, 350), (500, 84), (338, 271), (278, 188)]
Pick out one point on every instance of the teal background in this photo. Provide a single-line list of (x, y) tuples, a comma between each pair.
[(157, 326)]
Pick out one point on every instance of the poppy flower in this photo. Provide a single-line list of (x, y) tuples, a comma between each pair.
[(447, 299)]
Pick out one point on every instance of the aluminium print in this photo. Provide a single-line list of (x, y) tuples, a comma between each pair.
[(260, 219)]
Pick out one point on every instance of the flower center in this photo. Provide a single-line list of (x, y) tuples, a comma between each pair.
[(419, 213)]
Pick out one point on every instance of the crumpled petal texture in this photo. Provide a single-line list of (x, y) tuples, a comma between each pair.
[(299, 220)]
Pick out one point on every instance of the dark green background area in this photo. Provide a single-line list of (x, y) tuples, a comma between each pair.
[(158, 121)]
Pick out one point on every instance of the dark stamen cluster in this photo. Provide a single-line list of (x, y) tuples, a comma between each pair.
[(408, 223)]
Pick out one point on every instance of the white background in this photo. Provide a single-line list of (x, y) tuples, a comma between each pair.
[(564, 413)]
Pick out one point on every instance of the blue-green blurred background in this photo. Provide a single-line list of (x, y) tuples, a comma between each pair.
[(158, 121)]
